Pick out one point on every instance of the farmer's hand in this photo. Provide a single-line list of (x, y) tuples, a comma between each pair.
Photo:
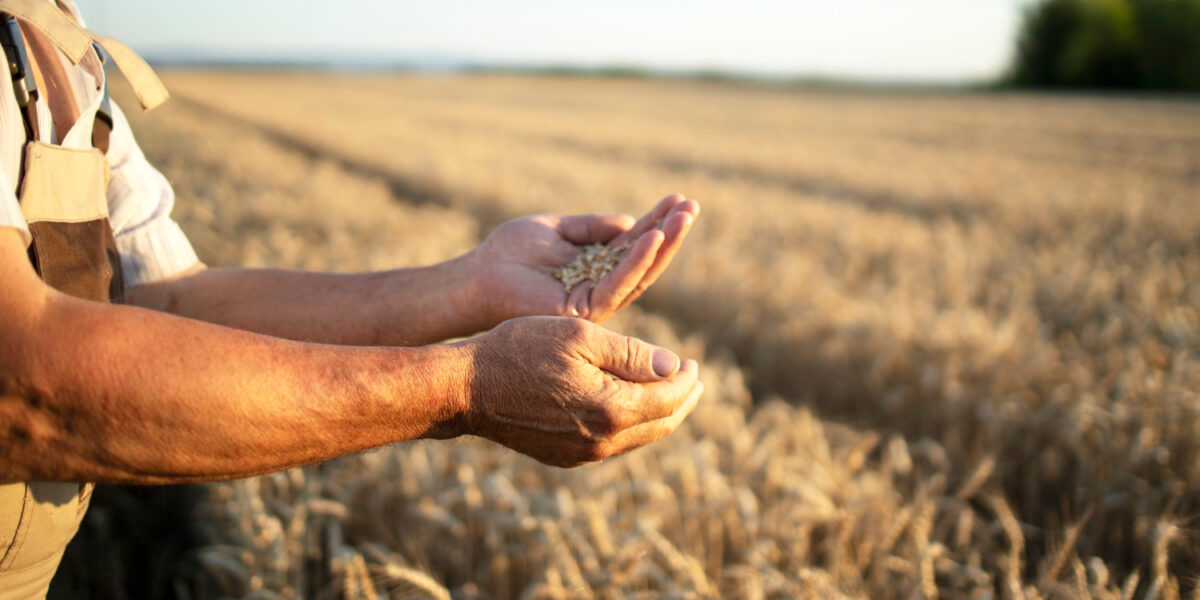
[(542, 386), (515, 265)]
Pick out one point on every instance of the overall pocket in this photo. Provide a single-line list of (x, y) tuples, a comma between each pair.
[(64, 199), (14, 521), (43, 516)]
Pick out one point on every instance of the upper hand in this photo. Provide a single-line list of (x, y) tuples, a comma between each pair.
[(566, 392), (515, 265)]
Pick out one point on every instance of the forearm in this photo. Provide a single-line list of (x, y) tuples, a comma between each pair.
[(402, 307), (104, 393)]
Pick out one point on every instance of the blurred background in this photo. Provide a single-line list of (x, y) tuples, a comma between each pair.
[(945, 290), (1101, 43)]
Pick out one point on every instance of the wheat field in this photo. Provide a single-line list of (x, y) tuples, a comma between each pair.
[(950, 341)]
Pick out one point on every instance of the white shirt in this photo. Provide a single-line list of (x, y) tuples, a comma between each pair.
[(140, 199)]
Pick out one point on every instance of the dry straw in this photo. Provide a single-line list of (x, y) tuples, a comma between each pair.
[(998, 294)]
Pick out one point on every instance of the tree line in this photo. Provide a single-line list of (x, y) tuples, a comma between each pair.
[(1120, 44)]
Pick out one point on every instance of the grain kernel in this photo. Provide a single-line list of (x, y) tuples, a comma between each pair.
[(593, 263)]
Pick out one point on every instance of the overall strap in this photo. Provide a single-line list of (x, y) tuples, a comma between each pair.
[(103, 125), (23, 80), (148, 88), (74, 41), (52, 81), (27, 93), (69, 37)]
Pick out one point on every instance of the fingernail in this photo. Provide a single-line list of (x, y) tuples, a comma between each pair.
[(664, 362)]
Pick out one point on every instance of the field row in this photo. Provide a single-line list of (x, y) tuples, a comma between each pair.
[(1004, 290)]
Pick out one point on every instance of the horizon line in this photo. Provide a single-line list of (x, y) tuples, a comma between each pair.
[(353, 60)]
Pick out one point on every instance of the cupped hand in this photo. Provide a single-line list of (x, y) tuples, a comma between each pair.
[(566, 392), (515, 265)]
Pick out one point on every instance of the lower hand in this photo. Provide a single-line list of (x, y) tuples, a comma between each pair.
[(566, 392), (515, 265)]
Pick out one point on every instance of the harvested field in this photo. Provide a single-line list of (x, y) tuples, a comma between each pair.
[(951, 342)]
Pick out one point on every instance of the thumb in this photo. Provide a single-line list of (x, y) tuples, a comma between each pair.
[(632, 359)]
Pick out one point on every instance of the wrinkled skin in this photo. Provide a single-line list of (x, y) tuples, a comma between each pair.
[(580, 393), (516, 263)]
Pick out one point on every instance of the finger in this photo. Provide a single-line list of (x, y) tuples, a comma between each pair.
[(657, 400), (592, 229), (674, 230), (642, 413), (649, 220), (581, 451), (612, 289), (628, 358), (652, 431), (691, 206), (578, 301), (634, 404)]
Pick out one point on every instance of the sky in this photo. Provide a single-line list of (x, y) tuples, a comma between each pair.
[(891, 40)]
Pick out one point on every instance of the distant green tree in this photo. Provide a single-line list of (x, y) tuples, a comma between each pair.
[(1045, 33), (1169, 49), (1110, 43)]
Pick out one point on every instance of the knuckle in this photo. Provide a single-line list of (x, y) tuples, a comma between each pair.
[(666, 428), (564, 462), (665, 406), (583, 308), (594, 451), (576, 329), (610, 421), (634, 352)]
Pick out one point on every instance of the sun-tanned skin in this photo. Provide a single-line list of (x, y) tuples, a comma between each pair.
[(274, 369), (508, 275)]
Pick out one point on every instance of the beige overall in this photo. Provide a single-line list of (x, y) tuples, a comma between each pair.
[(63, 195)]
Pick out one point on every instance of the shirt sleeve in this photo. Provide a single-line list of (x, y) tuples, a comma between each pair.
[(12, 138), (10, 209), (140, 200)]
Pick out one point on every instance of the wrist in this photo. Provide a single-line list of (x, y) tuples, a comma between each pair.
[(445, 371), (434, 303), (472, 298)]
